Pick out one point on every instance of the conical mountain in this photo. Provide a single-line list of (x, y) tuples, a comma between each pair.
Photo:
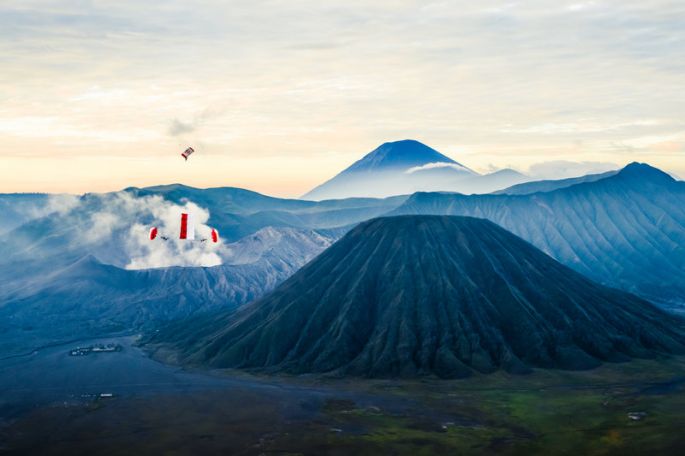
[(403, 154), (387, 170), (416, 295)]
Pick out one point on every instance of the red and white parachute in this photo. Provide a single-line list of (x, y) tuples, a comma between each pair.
[(186, 153), (186, 232), (187, 227)]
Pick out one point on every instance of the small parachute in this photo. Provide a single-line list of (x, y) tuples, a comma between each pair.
[(186, 153), (154, 231)]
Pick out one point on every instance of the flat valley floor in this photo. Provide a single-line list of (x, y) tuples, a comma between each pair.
[(53, 403)]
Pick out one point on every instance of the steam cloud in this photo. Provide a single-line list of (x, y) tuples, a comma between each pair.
[(173, 252), (120, 230), (59, 204)]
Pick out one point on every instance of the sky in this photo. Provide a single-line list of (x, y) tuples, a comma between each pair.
[(278, 96)]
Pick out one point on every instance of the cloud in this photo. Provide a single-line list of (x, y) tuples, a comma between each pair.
[(56, 204), (438, 165), (178, 128), (561, 169)]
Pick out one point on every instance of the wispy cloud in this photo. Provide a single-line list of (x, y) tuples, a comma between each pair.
[(178, 127), (438, 165)]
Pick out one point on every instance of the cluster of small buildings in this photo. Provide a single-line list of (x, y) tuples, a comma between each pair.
[(99, 348), (98, 396)]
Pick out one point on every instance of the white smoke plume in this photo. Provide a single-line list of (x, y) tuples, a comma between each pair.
[(118, 232), (174, 251), (59, 204)]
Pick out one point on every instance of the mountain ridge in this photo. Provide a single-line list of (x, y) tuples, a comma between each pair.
[(626, 230)]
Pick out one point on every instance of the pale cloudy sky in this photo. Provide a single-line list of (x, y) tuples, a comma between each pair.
[(277, 96)]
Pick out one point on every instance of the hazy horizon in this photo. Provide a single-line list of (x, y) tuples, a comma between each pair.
[(279, 97)]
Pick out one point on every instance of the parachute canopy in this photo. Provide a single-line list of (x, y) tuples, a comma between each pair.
[(186, 153), (187, 227)]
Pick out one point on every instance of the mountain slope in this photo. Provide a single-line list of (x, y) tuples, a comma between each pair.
[(289, 246), (89, 298), (551, 185), (230, 199), (64, 296), (626, 230), (253, 265), (414, 295), (487, 183), (19, 208)]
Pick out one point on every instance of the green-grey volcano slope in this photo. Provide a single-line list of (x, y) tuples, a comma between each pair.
[(421, 295)]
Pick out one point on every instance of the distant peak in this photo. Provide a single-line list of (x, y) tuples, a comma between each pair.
[(406, 144), (506, 171), (637, 170), (403, 142), (403, 154), (167, 187), (637, 165)]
